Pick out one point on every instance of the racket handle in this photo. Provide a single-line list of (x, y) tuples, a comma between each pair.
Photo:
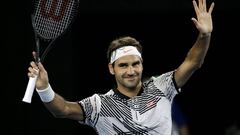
[(30, 89)]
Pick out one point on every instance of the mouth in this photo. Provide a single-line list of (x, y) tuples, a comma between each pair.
[(131, 78)]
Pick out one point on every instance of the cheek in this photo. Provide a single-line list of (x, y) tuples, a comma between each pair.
[(121, 73), (118, 72), (140, 69)]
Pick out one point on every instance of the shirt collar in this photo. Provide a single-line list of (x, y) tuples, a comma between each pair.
[(122, 96)]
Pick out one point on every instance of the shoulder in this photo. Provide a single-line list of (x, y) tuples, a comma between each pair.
[(165, 77)]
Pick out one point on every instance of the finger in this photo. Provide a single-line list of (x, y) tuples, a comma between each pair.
[(34, 65), (34, 54), (200, 5), (195, 7), (33, 70), (211, 8), (195, 22), (40, 66), (30, 74), (29, 70), (204, 6)]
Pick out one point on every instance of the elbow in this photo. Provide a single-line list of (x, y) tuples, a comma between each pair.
[(200, 64), (197, 65), (59, 115)]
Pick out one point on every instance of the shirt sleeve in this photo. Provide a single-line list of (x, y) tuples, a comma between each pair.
[(91, 107), (167, 85)]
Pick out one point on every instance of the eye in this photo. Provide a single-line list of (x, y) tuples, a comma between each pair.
[(123, 65), (136, 63)]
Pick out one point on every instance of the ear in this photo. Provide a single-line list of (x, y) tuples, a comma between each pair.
[(110, 67)]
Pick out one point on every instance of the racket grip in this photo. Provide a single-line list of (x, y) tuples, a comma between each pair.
[(30, 89)]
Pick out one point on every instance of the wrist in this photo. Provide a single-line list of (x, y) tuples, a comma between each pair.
[(42, 87), (203, 35), (47, 94)]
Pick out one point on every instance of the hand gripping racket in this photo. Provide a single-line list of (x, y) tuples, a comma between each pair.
[(50, 19)]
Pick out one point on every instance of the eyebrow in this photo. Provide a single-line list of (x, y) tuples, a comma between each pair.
[(125, 63)]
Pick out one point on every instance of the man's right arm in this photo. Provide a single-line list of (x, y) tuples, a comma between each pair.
[(56, 104), (61, 108)]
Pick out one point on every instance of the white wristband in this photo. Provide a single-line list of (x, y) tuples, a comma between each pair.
[(46, 95)]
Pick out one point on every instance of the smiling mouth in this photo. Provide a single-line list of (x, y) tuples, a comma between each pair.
[(131, 78)]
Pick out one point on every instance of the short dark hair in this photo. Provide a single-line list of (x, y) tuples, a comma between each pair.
[(123, 41)]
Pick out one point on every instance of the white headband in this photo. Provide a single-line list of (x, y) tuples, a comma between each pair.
[(123, 51)]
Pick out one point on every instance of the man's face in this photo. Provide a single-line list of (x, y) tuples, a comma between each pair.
[(128, 71)]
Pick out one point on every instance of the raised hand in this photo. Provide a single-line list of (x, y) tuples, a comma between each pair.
[(203, 20), (37, 69)]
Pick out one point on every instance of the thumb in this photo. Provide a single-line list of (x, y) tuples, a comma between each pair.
[(40, 66), (195, 22)]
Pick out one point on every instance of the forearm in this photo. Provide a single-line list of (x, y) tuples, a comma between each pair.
[(58, 106), (197, 53)]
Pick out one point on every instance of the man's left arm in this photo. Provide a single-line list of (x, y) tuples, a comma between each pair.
[(197, 53)]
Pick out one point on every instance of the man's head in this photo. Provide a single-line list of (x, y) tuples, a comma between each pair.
[(122, 42), (125, 62)]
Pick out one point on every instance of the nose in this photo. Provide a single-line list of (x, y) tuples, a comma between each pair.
[(130, 70)]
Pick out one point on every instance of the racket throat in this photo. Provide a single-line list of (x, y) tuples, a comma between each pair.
[(37, 59)]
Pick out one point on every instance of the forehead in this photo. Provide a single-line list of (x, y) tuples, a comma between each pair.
[(128, 59)]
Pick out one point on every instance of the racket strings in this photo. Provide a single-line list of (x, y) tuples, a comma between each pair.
[(52, 17)]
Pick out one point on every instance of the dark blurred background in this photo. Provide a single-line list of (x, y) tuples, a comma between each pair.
[(77, 64)]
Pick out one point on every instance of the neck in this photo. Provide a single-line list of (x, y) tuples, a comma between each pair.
[(130, 92)]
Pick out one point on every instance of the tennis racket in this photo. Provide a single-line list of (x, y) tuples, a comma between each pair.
[(50, 20)]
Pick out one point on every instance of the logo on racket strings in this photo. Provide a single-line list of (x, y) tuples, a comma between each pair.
[(54, 9)]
